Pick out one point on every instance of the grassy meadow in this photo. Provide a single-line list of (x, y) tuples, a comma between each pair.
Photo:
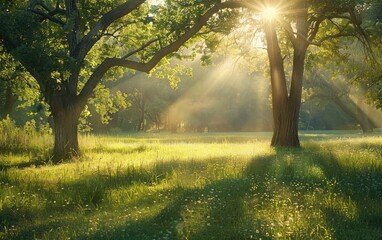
[(194, 186)]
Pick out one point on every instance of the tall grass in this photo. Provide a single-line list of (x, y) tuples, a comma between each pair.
[(208, 186), (26, 139)]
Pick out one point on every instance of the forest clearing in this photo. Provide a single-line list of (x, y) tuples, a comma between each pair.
[(191, 119)]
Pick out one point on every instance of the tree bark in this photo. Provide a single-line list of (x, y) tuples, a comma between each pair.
[(285, 131), (65, 132)]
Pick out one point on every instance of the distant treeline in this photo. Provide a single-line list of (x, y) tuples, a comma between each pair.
[(219, 98)]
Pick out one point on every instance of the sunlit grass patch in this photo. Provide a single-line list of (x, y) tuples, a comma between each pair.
[(207, 186)]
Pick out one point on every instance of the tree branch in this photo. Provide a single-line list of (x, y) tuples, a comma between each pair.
[(316, 26), (140, 49), (49, 16), (363, 36), (319, 42), (313, 34), (72, 14), (108, 63), (88, 41), (289, 30), (48, 13)]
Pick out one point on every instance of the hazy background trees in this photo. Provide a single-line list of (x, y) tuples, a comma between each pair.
[(227, 96)]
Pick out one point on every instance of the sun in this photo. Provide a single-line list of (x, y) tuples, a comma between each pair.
[(270, 13)]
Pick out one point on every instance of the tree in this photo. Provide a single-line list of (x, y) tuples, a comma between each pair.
[(366, 73), (348, 66), (7, 73), (339, 94), (291, 29), (148, 97), (15, 84), (70, 46), (8, 98), (305, 23)]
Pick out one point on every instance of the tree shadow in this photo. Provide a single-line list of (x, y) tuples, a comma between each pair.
[(172, 221), (212, 202), (83, 195), (87, 193), (219, 208), (346, 184), (22, 165), (209, 205)]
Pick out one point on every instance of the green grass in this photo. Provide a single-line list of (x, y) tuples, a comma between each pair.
[(196, 186)]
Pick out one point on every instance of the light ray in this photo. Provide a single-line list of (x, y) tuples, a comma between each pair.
[(270, 13)]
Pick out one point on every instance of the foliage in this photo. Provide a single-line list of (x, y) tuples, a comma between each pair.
[(14, 76), (106, 103), (84, 125), (366, 72), (173, 73), (215, 186), (46, 39), (367, 75)]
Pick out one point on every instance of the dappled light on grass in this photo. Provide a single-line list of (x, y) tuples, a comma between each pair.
[(222, 187)]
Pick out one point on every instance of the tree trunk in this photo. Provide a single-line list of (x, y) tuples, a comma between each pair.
[(286, 107), (367, 125), (141, 124), (10, 100), (285, 131), (65, 133), (356, 112)]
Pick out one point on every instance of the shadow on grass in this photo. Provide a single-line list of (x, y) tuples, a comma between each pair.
[(82, 196), (214, 211), (173, 221), (363, 186), (217, 209), (22, 165), (339, 179)]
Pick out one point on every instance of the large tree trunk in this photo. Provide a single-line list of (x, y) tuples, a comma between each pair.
[(285, 121), (286, 107), (65, 132)]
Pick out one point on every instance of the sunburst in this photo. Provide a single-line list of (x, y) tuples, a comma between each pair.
[(270, 13)]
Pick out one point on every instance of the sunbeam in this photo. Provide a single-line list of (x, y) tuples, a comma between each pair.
[(270, 13)]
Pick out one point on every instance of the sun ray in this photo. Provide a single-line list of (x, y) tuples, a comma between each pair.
[(270, 13)]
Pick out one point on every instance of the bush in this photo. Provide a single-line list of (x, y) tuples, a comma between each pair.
[(13, 137), (9, 133)]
